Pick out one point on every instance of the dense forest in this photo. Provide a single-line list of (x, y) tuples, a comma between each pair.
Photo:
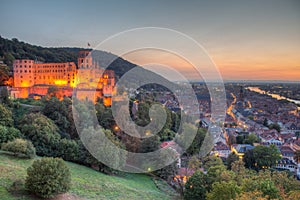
[(15, 49)]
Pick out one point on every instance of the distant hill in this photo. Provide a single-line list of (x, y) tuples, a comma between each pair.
[(15, 49)]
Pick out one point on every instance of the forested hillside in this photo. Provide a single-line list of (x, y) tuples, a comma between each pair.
[(15, 49)]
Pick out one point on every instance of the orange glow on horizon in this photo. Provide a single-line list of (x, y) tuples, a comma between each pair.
[(244, 65)]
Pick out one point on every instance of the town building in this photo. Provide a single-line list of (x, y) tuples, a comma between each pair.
[(240, 149)]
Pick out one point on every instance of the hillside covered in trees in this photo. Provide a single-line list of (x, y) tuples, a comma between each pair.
[(15, 49)]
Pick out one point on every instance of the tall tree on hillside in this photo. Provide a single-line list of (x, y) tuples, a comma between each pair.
[(249, 159), (266, 156), (42, 132), (5, 116), (195, 188), (230, 159)]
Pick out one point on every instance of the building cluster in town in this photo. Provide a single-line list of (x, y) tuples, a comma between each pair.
[(248, 112), (251, 112)]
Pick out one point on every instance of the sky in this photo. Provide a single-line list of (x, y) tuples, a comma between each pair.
[(247, 40)]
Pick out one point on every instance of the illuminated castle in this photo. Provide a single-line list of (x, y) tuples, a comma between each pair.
[(33, 79)]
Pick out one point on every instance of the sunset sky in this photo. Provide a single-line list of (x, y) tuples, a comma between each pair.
[(248, 40)]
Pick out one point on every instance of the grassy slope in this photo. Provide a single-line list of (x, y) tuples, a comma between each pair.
[(86, 183)]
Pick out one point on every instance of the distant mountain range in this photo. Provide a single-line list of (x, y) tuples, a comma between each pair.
[(15, 49)]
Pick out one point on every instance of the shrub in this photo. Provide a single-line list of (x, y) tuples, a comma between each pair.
[(48, 177), (5, 116), (20, 146), (8, 133)]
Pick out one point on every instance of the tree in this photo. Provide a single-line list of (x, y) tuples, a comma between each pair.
[(251, 138), (238, 167), (224, 190), (227, 176), (48, 177), (194, 163), (283, 181), (266, 122), (20, 146), (8, 134), (297, 134), (167, 173), (68, 150), (231, 140), (195, 187), (253, 195), (214, 173), (166, 134), (266, 157), (249, 159), (269, 189), (100, 144), (4, 96), (104, 116), (5, 116), (297, 156), (42, 132), (294, 195), (275, 126), (230, 159), (4, 76), (211, 161), (57, 111), (197, 142)]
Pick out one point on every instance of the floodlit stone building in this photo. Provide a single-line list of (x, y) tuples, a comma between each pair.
[(33, 79)]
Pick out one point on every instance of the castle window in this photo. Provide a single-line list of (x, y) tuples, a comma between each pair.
[(25, 71)]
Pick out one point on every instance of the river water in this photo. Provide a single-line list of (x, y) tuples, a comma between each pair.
[(275, 96)]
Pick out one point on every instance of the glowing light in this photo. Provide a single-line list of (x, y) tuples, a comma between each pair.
[(60, 82), (148, 132)]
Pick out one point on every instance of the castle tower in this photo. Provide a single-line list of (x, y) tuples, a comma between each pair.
[(85, 60)]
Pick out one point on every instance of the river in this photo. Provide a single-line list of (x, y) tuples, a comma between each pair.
[(275, 96)]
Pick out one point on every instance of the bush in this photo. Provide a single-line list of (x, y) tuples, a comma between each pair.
[(48, 177), (20, 146), (8, 134), (5, 116)]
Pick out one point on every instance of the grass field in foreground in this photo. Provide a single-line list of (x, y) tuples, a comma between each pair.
[(86, 183)]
